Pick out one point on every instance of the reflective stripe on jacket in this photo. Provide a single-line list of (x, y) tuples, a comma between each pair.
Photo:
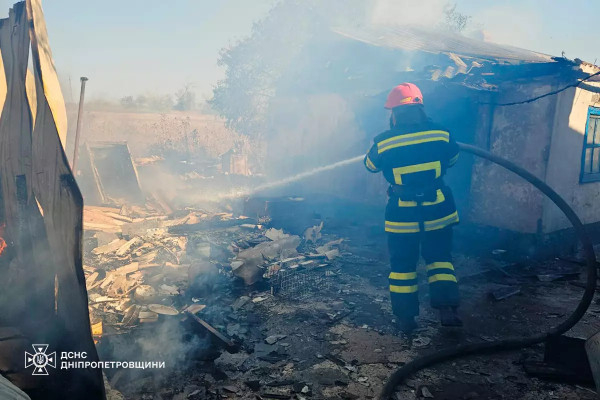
[(414, 159)]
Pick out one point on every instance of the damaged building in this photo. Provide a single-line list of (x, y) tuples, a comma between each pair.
[(189, 275), (528, 107)]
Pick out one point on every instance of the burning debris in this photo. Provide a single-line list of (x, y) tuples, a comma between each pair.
[(285, 299), (2, 241), (138, 270), (146, 269), (244, 309)]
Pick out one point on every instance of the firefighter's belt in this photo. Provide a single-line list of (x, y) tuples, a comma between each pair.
[(419, 194)]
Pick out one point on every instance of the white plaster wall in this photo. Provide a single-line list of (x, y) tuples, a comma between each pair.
[(564, 163)]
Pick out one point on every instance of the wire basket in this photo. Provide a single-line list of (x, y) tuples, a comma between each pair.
[(300, 282)]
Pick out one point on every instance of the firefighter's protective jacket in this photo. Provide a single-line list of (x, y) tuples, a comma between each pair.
[(414, 159)]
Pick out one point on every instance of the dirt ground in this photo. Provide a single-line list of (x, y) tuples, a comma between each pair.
[(337, 340)]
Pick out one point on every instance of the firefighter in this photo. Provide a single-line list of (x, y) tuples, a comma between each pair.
[(413, 156)]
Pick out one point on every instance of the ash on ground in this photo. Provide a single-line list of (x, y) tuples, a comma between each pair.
[(237, 309)]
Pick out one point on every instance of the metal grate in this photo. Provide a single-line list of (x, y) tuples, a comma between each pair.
[(300, 282)]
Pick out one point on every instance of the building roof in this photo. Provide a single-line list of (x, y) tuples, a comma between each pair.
[(435, 41)]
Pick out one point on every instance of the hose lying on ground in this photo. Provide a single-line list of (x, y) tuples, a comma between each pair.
[(512, 343)]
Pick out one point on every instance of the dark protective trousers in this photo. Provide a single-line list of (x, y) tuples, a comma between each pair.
[(435, 247)]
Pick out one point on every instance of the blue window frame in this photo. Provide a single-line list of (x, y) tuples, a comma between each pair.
[(590, 159)]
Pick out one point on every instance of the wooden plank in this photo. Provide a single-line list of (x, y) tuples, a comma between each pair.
[(102, 227), (110, 247), (96, 174), (207, 225), (119, 217), (103, 218), (228, 342), (101, 209), (115, 171)]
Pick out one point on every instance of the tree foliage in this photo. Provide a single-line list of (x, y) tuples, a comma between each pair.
[(254, 66), (185, 99), (453, 20), (147, 102)]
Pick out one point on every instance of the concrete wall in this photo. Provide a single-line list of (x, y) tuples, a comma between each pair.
[(520, 133), (564, 164)]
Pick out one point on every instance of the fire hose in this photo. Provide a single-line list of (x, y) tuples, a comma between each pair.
[(462, 350)]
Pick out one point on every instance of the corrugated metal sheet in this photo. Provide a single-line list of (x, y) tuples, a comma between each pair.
[(417, 38)]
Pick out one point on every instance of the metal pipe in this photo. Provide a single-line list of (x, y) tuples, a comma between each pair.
[(512, 343), (79, 120)]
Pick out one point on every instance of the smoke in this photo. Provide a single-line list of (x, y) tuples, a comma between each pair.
[(406, 12), (172, 343), (238, 193), (215, 194), (312, 95), (168, 341), (310, 130), (522, 27)]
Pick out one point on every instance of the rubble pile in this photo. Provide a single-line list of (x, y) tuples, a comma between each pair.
[(142, 264), (133, 266), (277, 333)]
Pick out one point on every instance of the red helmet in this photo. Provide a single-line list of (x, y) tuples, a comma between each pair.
[(403, 94)]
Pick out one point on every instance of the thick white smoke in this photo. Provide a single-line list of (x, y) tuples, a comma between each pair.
[(393, 12)]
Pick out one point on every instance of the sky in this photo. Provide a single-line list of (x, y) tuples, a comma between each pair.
[(131, 47), (547, 26)]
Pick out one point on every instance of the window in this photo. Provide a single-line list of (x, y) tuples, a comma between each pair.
[(590, 160)]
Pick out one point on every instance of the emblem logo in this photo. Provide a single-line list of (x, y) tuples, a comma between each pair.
[(40, 359)]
